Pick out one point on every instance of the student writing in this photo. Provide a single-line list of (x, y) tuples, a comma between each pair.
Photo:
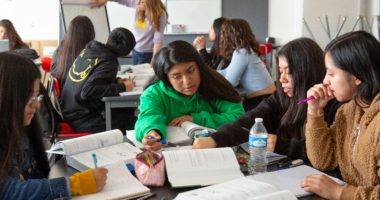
[(184, 89), (24, 167), (92, 77)]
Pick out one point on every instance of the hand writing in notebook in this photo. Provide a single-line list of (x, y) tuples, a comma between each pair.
[(152, 144), (100, 175)]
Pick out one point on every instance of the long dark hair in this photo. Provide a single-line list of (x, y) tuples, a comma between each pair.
[(215, 49), (80, 32), (15, 41), (237, 34), (358, 53), (212, 86), (307, 68), (15, 91)]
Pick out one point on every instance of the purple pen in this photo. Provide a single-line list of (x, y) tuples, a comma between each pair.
[(305, 100)]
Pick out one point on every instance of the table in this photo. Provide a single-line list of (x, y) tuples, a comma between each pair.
[(60, 169), (130, 101)]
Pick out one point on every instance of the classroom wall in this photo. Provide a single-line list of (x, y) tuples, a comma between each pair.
[(254, 11)]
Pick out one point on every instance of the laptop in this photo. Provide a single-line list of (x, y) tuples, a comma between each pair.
[(4, 45)]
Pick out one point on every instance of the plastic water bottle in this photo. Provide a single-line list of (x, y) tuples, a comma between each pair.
[(257, 147)]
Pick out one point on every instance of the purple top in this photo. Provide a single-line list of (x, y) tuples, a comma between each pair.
[(145, 34)]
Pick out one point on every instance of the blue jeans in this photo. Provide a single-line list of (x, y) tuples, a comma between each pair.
[(140, 58)]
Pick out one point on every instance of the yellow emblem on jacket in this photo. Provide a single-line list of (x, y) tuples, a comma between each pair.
[(141, 24), (78, 76)]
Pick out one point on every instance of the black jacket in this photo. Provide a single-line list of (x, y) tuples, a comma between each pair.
[(271, 111), (92, 77)]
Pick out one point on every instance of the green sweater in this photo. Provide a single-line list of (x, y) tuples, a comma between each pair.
[(159, 104)]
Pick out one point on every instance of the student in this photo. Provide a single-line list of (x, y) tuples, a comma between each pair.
[(150, 22), (182, 92), (80, 32), (212, 59), (352, 143), (280, 111), (8, 31), (246, 71), (92, 77), (24, 166)]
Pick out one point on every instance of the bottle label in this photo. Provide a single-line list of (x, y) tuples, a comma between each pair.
[(257, 142)]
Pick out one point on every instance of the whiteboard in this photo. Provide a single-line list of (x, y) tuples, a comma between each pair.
[(98, 16), (120, 16), (197, 16)]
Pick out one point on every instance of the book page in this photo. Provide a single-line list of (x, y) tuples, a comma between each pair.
[(89, 142), (176, 135), (241, 188), (201, 166), (120, 184), (107, 155), (290, 179), (191, 128), (79, 2)]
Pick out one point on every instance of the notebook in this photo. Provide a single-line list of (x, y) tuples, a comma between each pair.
[(201, 167), (290, 179), (108, 146), (241, 188), (121, 184)]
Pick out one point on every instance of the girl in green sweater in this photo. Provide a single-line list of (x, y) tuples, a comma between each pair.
[(184, 89)]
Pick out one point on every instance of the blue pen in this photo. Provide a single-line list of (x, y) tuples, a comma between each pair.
[(162, 141), (95, 160)]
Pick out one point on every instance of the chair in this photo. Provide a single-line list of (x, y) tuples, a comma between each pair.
[(45, 69), (65, 130), (265, 49)]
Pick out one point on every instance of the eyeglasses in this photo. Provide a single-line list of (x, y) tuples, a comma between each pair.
[(36, 99)]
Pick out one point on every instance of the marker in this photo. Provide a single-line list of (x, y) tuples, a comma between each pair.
[(306, 100), (95, 160), (162, 141)]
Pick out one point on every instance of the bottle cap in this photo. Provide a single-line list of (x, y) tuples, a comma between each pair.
[(258, 119)]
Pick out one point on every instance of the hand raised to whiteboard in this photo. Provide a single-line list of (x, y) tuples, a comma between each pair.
[(97, 3)]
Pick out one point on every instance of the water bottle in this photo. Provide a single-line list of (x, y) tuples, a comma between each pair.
[(257, 147)]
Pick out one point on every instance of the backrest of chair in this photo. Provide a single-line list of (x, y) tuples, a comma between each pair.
[(265, 48)]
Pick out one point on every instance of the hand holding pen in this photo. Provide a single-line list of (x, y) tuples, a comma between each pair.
[(318, 97), (152, 141), (129, 83), (100, 174)]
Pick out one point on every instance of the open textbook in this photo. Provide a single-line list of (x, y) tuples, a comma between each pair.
[(201, 167), (176, 134), (121, 184), (108, 146), (241, 188), (141, 74), (290, 179)]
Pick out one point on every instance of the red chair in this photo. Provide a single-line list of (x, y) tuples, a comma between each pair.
[(265, 49), (65, 130)]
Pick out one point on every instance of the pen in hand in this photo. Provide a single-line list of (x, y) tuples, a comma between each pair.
[(162, 141), (95, 160), (306, 100)]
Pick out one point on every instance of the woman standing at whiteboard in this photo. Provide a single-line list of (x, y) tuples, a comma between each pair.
[(150, 21)]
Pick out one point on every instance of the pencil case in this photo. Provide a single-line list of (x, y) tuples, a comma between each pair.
[(150, 168)]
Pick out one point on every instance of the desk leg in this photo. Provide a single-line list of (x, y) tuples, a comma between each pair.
[(108, 116)]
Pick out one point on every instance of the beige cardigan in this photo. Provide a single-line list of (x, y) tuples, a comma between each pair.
[(353, 144)]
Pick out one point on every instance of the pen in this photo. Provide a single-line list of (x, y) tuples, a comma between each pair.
[(95, 160), (305, 100), (162, 141), (147, 196)]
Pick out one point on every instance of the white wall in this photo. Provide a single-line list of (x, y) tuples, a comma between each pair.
[(285, 17), (33, 19), (285, 20)]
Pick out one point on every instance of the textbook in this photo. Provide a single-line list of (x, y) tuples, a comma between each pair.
[(140, 74), (241, 188), (201, 167), (177, 134), (121, 184), (290, 179), (108, 146)]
